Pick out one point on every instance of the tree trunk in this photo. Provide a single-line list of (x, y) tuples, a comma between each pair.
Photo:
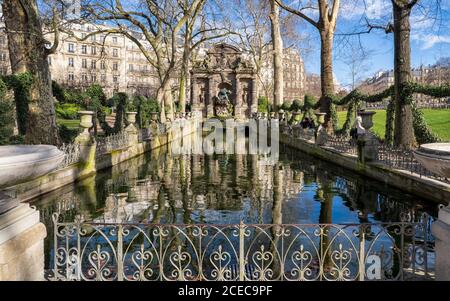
[(28, 53), (277, 43), (403, 130), (326, 74)]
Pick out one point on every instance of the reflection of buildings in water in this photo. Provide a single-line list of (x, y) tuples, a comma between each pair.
[(117, 209)]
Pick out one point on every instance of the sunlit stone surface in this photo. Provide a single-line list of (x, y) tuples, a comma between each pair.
[(26, 162), (435, 157)]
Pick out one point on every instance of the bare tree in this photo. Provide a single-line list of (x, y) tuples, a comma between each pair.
[(28, 52), (155, 27), (326, 25), (202, 27), (253, 28), (277, 43)]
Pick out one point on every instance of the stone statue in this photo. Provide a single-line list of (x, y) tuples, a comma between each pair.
[(222, 103)]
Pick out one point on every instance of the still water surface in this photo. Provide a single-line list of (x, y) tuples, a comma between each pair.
[(225, 189)]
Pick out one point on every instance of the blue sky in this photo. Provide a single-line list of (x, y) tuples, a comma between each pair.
[(430, 36)]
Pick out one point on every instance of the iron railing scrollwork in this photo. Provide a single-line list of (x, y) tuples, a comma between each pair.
[(149, 252), (111, 143)]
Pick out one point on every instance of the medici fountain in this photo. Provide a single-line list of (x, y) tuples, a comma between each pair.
[(21, 232)]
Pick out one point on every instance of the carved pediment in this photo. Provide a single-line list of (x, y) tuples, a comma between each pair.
[(223, 57)]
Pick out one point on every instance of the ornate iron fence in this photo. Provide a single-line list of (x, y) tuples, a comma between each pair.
[(114, 142), (145, 134), (136, 252), (72, 154), (343, 144), (404, 159)]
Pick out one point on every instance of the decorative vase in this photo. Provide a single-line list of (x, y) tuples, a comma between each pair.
[(131, 117), (86, 120), (320, 117), (154, 116), (367, 119)]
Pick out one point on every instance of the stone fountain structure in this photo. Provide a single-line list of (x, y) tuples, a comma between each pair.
[(21, 233), (224, 83)]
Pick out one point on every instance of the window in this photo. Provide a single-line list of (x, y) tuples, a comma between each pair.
[(84, 78), (115, 66), (103, 77), (71, 48), (71, 77), (103, 65), (131, 67), (115, 40), (84, 63), (115, 52), (93, 38), (115, 79), (3, 57), (93, 78), (93, 50), (71, 64), (93, 65), (102, 39), (83, 49), (2, 40)]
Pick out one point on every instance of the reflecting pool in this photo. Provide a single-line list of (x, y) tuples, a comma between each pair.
[(163, 188)]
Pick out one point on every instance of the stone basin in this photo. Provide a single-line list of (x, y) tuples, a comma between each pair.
[(435, 157), (21, 163)]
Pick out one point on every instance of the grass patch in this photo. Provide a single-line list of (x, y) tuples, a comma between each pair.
[(437, 119), (70, 124)]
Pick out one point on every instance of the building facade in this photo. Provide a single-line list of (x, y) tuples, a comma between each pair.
[(293, 73), (111, 60), (429, 75)]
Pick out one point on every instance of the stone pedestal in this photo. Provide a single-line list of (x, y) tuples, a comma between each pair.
[(441, 232), (368, 142), (21, 245), (370, 145), (131, 130)]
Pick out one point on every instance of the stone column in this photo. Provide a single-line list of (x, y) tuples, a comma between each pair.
[(238, 103), (131, 130), (369, 142), (211, 94), (21, 245), (87, 144), (254, 108), (441, 232), (194, 94)]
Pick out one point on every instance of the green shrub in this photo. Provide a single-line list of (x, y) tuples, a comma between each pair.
[(296, 105), (67, 135), (6, 116), (58, 92), (67, 111), (286, 106), (263, 105), (95, 92), (310, 101)]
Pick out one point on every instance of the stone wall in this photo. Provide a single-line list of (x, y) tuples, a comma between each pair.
[(404, 180), (22, 257), (76, 172)]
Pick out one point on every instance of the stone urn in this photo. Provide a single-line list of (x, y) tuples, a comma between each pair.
[(320, 118), (154, 116), (435, 157), (86, 120), (131, 117), (367, 119), (22, 163)]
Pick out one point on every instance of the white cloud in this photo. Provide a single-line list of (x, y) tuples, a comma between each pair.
[(429, 40), (373, 9)]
